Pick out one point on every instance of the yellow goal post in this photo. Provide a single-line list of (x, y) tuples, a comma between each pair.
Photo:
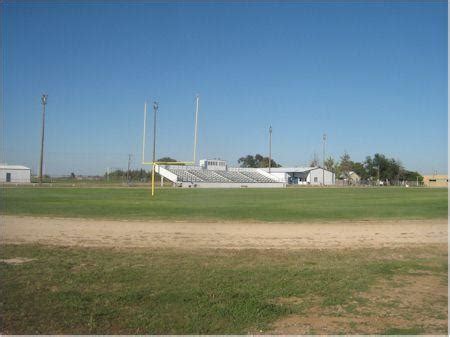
[(155, 163)]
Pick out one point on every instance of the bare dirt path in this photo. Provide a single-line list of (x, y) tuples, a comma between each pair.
[(191, 235)]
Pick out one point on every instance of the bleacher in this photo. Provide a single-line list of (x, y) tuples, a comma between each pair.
[(258, 177), (185, 175), (199, 175), (235, 177), (209, 176)]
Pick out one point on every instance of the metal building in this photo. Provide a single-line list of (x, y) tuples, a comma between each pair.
[(14, 174), (303, 175)]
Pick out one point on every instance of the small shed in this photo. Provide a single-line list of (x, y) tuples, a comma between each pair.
[(14, 174)]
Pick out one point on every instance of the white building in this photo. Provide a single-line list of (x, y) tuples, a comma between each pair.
[(213, 164), (14, 174), (303, 175)]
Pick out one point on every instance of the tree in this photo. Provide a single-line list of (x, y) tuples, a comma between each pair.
[(345, 165), (383, 168), (167, 160), (370, 168), (134, 175), (330, 164), (411, 176), (360, 170), (72, 175), (248, 161), (256, 161)]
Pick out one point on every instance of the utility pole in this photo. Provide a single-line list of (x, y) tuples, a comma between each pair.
[(378, 174), (270, 148), (195, 129), (143, 134), (155, 109), (323, 158), (128, 169), (41, 163)]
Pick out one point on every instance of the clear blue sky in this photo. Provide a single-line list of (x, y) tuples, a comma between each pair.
[(372, 76)]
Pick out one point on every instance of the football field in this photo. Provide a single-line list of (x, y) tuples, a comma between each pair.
[(281, 261), (260, 205)]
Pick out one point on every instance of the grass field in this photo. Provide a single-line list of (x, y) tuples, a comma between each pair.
[(86, 290), (389, 290), (288, 205)]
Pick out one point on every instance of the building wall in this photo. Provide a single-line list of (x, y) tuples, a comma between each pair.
[(279, 176), (213, 164), (436, 180), (312, 177), (17, 175), (316, 177)]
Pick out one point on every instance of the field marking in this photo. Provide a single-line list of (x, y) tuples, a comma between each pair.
[(192, 235)]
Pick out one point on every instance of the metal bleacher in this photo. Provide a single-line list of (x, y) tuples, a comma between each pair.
[(258, 177), (236, 177), (209, 176), (198, 175), (185, 175)]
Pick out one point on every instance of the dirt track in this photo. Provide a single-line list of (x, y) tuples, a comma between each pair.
[(108, 233)]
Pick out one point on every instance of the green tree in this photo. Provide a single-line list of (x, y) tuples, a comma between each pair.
[(411, 176), (383, 168), (256, 161), (330, 164), (167, 160), (345, 165), (360, 170)]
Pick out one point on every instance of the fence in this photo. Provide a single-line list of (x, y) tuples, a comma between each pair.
[(368, 183)]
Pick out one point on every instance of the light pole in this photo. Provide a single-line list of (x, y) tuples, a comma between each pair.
[(155, 109), (128, 169), (323, 158), (41, 162), (270, 148), (378, 175), (195, 127)]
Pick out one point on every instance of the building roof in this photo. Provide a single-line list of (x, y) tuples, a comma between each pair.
[(291, 169), (435, 175), (13, 167)]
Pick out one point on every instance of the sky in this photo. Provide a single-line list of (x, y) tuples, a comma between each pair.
[(372, 76)]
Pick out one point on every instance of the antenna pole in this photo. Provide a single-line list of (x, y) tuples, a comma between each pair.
[(270, 148), (197, 98), (44, 102), (145, 128), (155, 109), (323, 159), (128, 169)]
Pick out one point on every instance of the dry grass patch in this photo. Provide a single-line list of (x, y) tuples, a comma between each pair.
[(404, 304), (147, 291), (16, 260)]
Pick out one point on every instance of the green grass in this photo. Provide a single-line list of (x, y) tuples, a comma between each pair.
[(289, 205), (137, 291)]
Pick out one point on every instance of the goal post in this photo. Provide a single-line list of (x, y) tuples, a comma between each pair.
[(154, 162)]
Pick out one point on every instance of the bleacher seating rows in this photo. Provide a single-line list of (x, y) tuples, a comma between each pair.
[(257, 177), (185, 175), (209, 176)]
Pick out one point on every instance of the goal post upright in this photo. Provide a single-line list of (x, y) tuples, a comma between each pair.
[(195, 126), (143, 134)]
